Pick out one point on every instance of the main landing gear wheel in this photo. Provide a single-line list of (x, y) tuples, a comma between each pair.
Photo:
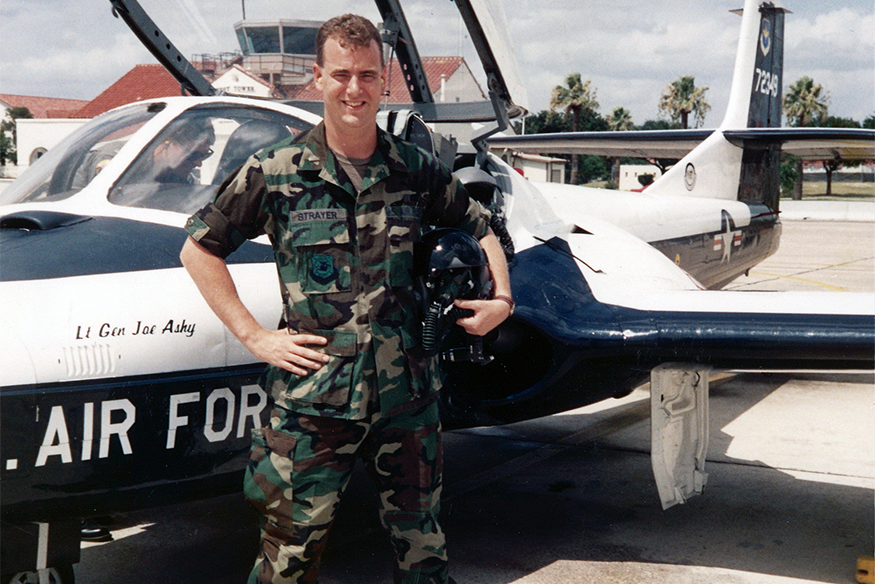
[(58, 575)]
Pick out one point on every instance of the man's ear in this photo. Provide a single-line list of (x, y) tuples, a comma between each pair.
[(161, 148), (317, 76)]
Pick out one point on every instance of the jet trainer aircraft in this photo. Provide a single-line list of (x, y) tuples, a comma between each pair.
[(119, 389)]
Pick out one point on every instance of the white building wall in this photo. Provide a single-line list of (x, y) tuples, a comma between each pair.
[(460, 87), (237, 82), (538, 168), (40, 135), (533, 170), (629, 174)]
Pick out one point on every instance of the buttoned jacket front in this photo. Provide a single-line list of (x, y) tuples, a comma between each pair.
[(344, 260)]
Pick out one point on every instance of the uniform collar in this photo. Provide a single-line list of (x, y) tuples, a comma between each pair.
[(317, 156)]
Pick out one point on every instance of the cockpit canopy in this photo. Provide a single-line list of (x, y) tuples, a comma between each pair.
[(179, 170)]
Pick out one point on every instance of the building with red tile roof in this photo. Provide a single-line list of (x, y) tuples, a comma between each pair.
[(450, 80), (43, 107), (141, 82)]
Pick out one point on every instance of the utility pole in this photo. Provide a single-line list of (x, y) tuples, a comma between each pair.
[(243, 2)]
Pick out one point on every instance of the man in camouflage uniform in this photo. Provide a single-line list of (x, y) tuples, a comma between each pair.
[(343, 206)]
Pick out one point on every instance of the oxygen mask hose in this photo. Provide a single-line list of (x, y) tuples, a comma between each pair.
[(439, 319), (430, 339)]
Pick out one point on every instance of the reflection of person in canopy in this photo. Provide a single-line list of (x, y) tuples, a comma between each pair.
[(94, 162), (176, 158)]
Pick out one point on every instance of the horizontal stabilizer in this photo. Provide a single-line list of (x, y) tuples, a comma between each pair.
[(811, 143), (674, 144), (807, 143)]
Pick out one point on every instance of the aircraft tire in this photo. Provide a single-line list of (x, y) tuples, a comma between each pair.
[(57, 575)]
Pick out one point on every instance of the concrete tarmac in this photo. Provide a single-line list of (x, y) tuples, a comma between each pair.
[(571, 498)]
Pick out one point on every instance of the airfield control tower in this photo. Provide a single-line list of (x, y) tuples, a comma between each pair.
[(279, 51)]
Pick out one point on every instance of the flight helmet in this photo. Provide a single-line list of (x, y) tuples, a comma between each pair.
[(448, 264)]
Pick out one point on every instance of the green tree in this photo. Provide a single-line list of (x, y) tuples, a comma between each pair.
[(869, 122), (574, 98), (682, 98), (7, 148), (659, 125), (830, 166), (805, 102), (663, 164), (589, 168), (789, 173), (620, 120), (8, 133), (545, 122), (838, 122), (593, 168)]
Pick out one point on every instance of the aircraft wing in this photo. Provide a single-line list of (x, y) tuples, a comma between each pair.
[(807, 143), (639, 144), (812, 143)]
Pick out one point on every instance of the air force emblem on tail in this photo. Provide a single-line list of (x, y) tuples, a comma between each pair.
[(766, 37), (766, 81)]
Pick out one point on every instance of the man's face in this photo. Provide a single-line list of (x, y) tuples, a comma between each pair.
[(177, 160), (351, 80)]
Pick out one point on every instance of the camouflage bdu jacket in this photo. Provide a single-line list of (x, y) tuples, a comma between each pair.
[(344, 260)]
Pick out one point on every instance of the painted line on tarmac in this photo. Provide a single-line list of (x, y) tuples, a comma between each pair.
[(796, 277), (771, 276)]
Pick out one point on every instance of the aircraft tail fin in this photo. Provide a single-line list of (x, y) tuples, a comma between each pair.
[(760, 179), (755, 96), (752, 173)]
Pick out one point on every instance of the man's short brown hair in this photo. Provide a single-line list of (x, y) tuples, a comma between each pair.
[(349, 29)]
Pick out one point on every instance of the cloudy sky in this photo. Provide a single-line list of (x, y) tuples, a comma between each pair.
[(630, 49)]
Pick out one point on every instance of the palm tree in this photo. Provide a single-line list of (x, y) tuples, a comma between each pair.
[(805, 102), (620, 120), (682, 98), (572, 98)]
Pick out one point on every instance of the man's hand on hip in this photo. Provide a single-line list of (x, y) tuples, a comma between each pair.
[(288, 351)]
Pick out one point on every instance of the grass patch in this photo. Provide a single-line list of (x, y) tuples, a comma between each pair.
[(841, 191)]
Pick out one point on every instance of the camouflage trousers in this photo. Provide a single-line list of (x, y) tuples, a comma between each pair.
[(300, 466)]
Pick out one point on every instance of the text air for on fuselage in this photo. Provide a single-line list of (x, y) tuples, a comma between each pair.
[(112, 421)]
